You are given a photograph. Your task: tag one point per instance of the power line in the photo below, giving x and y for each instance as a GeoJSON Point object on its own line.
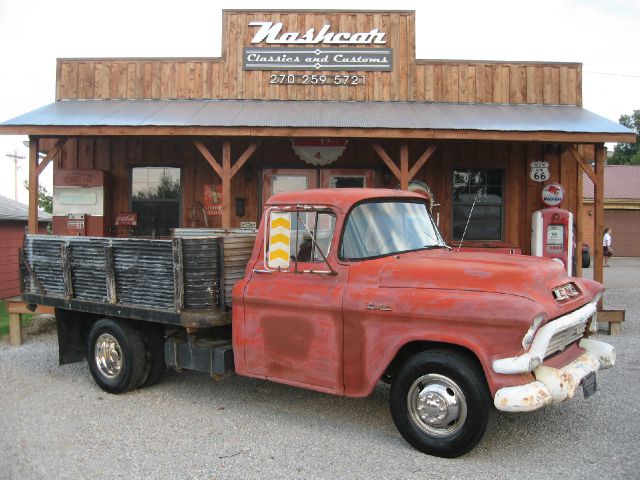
{"type": "Point", "coordinates": [16, 166]}
{"type": "Point", "coordinates": [612, 74]}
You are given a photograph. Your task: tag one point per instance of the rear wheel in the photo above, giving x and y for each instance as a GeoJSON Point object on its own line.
{"type": "Point", "coordinates": [440, 403]}
{"type": "Point", "coordinates": [116, 356]}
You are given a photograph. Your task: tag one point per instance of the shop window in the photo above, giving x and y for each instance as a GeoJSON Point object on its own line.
{"type": "Point", "coordinates": [155, 197]}
{"type": "Point", "coordinates": [479, 193]}
{"type": "Point", "coordinates": [347, 181]}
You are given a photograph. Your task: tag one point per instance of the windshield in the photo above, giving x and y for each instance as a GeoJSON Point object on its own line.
{"type": "Point", "coordinates": [382, 228]}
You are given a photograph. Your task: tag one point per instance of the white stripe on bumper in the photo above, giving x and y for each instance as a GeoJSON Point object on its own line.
{"type": "Point", "coordinates": [554, 385]}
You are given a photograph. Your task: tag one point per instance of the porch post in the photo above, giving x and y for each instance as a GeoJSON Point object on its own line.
{"type": "Point", "coordinates": [404, 166]}
{"type": "Point", "coordinates": [33, 185]}
{"type": "Point", "coordinates": [226, 172]}
{"type": "Point", "coordinates": [598, 213]}
{"type": "Point", "coordinates": [226, 185]}
{"type": "Point", "coordinates": [579, 221]}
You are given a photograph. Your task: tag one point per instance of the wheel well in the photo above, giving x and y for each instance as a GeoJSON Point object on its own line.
{"type": "Point", "coordinates": [73, 328]}
{"type": "Point", "coordinates": [413, 348]}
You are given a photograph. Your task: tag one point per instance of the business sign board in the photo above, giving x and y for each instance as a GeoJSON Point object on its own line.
{"type": "Point", "coordinates": [324, 56]}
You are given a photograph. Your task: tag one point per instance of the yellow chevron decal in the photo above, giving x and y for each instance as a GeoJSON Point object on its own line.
{"type": "Point", "coordinates": [279, 255]}
{"type": "Point", "coordinates": [279, 238]}
{"type": "Point", "coordinates": [280, 222]}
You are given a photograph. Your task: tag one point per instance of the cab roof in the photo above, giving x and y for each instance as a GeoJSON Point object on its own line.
{"type": "Point", "coordinates": [343, 198]}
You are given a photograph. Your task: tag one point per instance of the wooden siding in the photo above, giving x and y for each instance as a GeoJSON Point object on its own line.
{"type": "Point", "coordinates": [521, 196]}
{"type": "Point", "coordinates": [410, 79]}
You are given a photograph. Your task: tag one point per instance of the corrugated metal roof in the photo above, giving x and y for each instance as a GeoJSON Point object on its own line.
{"type": "Point", "coordinates": [12, 210]}
{"type": "Point", "coordinates": [621, 182]}
{"type": "Point", "coordinates": [318, 114]}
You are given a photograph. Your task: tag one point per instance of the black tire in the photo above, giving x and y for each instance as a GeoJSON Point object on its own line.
{"type": "Point", "coordinates": [586, 259]}
{"type": "Point", "coordinates": [456, 385]}
{"type": "Point", "coordinates": [154, 349]}
{"type": "Point", "coordinates": [116, 356]}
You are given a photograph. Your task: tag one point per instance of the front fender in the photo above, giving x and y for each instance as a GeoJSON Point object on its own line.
{"type": "Point", "coordinates": [489, 325]}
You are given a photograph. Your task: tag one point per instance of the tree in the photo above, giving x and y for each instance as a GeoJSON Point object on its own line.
{"type": "Point", "coordinates": [628, 153]}
{"type": "Point", "coordinates": [45, 201]}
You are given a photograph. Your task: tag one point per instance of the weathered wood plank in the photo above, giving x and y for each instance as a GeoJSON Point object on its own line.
{"type": "Point", "coordinates": [67, 280]}
{"type": "Point", "coordinates": [112, 293]}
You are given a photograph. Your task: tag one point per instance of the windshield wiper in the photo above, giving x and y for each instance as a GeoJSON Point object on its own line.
{"type": "Point", "coordinates": [435, 247]}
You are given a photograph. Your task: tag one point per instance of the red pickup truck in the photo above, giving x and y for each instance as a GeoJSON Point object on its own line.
{"type": "Point", "coordinates": [341, 290]}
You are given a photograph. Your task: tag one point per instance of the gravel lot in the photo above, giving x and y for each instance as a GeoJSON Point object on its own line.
{"type": "Point", "coordinates": [56, 423]}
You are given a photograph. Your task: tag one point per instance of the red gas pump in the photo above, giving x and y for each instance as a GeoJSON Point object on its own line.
{"type": "Point", "coordinates": [552, 229]}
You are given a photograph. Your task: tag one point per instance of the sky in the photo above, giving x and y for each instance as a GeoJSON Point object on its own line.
{"type": "Point", "coordinates": [600, 34]}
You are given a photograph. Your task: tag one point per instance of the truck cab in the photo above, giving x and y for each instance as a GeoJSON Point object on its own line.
{"type": "Point", "coordinates": [349, 287]}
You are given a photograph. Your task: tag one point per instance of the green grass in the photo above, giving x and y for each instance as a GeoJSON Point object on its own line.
{"type": "Point", "coordinates": [4, 319]}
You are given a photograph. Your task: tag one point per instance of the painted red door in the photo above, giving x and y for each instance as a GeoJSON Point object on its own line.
{"type": "Point", "coordinates": [294, 323]}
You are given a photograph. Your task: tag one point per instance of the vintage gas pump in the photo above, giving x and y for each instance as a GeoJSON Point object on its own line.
{"type": "Point", "coordinates": [552, 229]}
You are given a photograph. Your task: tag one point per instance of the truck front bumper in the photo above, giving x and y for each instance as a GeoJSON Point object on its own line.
{"type": "Point", "coordinates": [555, 385]}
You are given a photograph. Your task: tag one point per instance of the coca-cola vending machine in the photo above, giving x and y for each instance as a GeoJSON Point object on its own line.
{"type": "Point", "coordinates": [80, 203]}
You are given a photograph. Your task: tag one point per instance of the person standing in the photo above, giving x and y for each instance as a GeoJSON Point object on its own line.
{"type": "Point", "coordinates": [607, 251]}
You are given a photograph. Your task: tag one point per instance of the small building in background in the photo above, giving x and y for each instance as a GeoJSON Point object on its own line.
{"type": "Point", "coordinates": [621, 208]}
{"type": "Point", "coordinates": [13, 225]}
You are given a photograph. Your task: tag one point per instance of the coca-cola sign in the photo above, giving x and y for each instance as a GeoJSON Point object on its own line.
{"type": "Point", "coordinates": [126, 219]}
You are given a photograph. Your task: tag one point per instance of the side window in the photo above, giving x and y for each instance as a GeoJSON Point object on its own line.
{"type": "Point", "coordinates": [298, 237]}
{"type": "Point", "coordinates": [155, 197]}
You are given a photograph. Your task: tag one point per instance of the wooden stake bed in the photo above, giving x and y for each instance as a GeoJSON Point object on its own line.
{"type": "Point", "coordinates": [183, 281]}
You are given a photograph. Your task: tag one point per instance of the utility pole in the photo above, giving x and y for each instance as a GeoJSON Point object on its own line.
{"type": "Point", "coordinates": [15, 158]}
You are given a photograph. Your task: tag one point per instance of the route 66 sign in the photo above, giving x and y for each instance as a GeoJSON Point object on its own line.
{"type": "Point", "coordinates": [539, 171]}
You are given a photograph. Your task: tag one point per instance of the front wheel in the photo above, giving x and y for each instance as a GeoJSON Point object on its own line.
{"type": "Point", "coordinates": [440, 403]}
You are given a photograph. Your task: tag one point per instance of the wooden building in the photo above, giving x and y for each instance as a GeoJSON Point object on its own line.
{"type": "Point", "coordinates": [621, 209]}
{"type": "Point", "coordinates": [305, 99]}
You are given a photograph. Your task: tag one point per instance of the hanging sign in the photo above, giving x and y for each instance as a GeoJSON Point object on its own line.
{"type": "Point", "coordinates": [213, 199]}
{"type": "Point", "coordinates": [552, 194]}
{"type": "Point", "coordinates": [319, 151]}
{"type": "Point", "coordinates": [539, 171]}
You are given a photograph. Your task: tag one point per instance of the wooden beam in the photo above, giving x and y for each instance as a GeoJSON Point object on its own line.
{"type": "Point", "coordinates": [33, 185]}
{"type": "Point", "coordinates": [51, 155]}
{"type": "Point", "coordinates": [387, 160]}
{"type": "Point", "coordinates": [243, 158]}
{"type": "Point", "coordinates": [421, 161]}
{"type": "Point", "coordinates": [226, 185]}
{"type": "Point", "coordinates": [579, 222]}
{"type": "Point", "coordinates": [209, 157]}
{"type": "Point", "coordinates": [404, 166]}
{"type": "Point", "coordinates": [598, 214]}
{"type": "Point", "coordinates": [581, 161]}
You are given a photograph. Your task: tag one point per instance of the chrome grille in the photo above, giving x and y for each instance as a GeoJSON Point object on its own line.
{"type": "Point", "coordinates": [564, 338]}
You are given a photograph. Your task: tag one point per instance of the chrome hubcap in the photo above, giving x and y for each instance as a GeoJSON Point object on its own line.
{"type": "Point", "coordinates": [108, 355]}
{"type": "Point", "coordinates": [437, 405]}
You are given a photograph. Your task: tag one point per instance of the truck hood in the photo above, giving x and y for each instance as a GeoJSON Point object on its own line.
{"type": "Point", "coordinates": [525, 276]}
